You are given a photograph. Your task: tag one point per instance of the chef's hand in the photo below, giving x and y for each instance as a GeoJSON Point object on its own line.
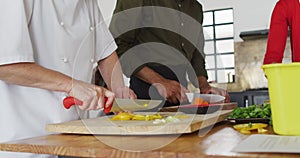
{"type": "Point", "coordinates": [205, 88]}
{"type": "Point", "coordinates": [172, 90]}
{"type": "Point", "coordinates": [214, 90]}
{"type": "Point", "coordinates": [91, 95]}
{"type": "Point", "coordinates": [125, 92]}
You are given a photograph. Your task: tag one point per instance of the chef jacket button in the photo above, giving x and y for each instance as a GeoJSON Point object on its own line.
{"type": "Point", "coordinates": [179, 5]}
{"type": "Point", "coordinates": [65, 60]}
{"type": "Point", "coordinates": [62, 24]}
{"type": "Point", "coordinates": [92, 60]}
{"type": "Point", "coordinates": [182, 44]}
{"type": "Point", "coordinates": [92, 28]}
{"type": "Point", "coordinates": [182, 24]}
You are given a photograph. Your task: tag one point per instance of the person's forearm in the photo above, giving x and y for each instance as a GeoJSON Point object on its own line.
{"type": "Point", "coordinates": [202, 81]}
{"type": "Point", "coordinates": [148, 75]}
{"type": "Point", "coordinates": [111, 72]}
{"type": "Point", "coordinates": [33, 75]}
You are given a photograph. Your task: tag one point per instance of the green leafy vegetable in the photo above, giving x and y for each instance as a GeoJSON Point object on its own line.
{"type": "Point", "coordinates": [253, 111]}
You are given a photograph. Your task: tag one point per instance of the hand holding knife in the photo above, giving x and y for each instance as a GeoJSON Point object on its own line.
{"type": "Point", "coordinates": [70, 101]}
{"type": "Point", "coordinates": [118, 105]}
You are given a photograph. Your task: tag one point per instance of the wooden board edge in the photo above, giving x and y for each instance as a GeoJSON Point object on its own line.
{"type": "Point", "coordinates": [175, 128]}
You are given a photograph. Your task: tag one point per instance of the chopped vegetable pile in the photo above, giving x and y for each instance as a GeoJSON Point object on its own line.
{"type": "Point", "coordinates": [168, 119]}
{"type": "Point", "coordinates": [157, 118]}
{"type": "Point", "coordinates": [253, 111]}
{"type": "Point", "coordinates": [199, 101]}
{"type": "Point", "coordinates": [125, 116]}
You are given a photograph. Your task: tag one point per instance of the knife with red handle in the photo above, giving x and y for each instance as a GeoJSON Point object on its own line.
{"type": "Point", "coordinates": [70, 101]}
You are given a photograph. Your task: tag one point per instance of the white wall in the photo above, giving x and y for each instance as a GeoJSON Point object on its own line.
{"type": "Point", "coordinates": [248, 14]}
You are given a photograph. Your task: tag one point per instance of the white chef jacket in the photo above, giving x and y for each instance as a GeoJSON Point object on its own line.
{"type": "Point", "coordinates": [68, 36]}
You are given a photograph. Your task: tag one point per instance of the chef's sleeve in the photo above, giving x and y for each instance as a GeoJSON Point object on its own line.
{"type": "Point", "coordinates": [15, 43]}
{"type": "Point", "coordinates": [277, 35]}
{"type": "Point", "coordinates": [105, 43]}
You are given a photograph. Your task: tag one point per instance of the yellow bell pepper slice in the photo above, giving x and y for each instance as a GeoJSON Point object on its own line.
{"type": "Point", "coordinates": [248, 127]}
{"type": "Point", "coordinates": [122, 116]}
{"type": "Point", "coordinates": [138, 117]}
{"type": "Point", "coordinates": [244, 131]}
{"type": "Point", "coordinates": [125, 116]}
{"type": "Point", "coordinates": [262, 130]}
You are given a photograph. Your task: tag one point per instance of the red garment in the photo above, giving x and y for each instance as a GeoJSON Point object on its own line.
{"type": "Point", "coordinates": [286, 14]}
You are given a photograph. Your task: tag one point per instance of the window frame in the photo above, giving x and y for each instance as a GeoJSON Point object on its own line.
{"type": "Point", "coordinates": [214, 39]}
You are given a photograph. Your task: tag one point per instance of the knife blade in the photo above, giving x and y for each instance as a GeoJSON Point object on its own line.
{"type": "Point", "coordinates": [118, 105]}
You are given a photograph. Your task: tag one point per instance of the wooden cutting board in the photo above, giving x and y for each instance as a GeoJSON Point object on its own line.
{"type": "Point", "coordinates": [104, 126]}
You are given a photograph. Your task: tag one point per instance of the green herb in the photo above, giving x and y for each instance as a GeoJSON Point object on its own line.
{"type": "Point", "coordinates": [252, 111]}
{"type": "Point", "coordinates": [250, 125]}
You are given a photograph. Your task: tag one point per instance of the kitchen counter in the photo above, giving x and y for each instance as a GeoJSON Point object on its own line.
{"type": "Point", "coordinates": [218, 142]}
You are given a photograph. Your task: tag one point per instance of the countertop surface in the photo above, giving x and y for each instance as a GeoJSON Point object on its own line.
{"type": "Point", "coordinates": [217, 141]}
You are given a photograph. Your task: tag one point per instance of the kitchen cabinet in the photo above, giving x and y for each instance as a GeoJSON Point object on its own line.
{"type": "Point", "coordinates": [250, 97]}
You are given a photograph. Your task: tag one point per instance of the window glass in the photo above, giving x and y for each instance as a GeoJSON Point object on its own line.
{"type": "Point", "coordinates": [209, 47]}
{"type": "Point", "coordinates": [208, 32]}
{"type": "Point", "coordinates": [210, 62]}
{"type": "Point", "coordinates": [223, 31]}
{"type": "Point", "coordinates": [207, 18]}
{"type": "Point", "coordinates": [226, 60]}
{"type": "Point", "coordinates": [223, 16]}
{"type": "Point", "coordinates": [219, 44]}
{"type": "Point", "coordinates": [211, 76]}
{"type": "Point", "coordinates": [224, 46]}
{"type": "Point", "coordinates": [225, 76]}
